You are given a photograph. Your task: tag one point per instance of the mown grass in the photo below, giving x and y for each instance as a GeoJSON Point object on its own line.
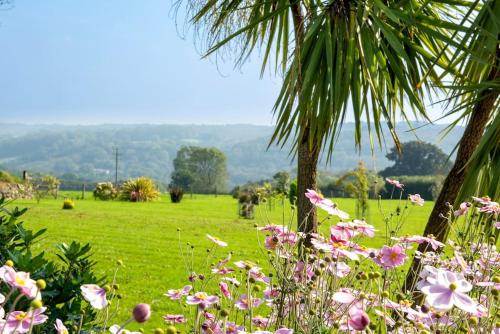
{"type": "Point", "coordinates": [144, 236]}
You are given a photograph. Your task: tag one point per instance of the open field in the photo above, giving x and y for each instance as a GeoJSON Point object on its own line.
{"type": "Point", "coordinates": [144, 236]}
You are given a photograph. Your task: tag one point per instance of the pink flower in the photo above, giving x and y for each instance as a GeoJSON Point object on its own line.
{"type": "Point", "coordinates": [95, 295]}
{"type": "Point", "coordinates": [175, 318]}
{"type": "Point", "coordinates": [463, 209]}
{"type": "Point", "coordinates": [284, 331]}
{"type": "Point", "coordinates": [20, 280]}
{"type": "Point", "coordinates": [342, 231]}
{"type": "Point", "coordinates": [493, 208]}
{"type": "Point", "coordinates": [485, 200]}
{"type": "Point", "coordinates": [325, 204]}
{"type": "Point", "coordinates": [448, 290]}
{"type": "Point", "coordinates": [20, 322]}
{"type": "Point", "coordinates": [332, 210]}
{"type": "Point", "coordinates": [244, 302]}
{"type": "Point", "coordinates": [416, 199]}
{"type": "Point", "coordinates": [232, 328]}
{"type": "Point", "coordinates": [232, 280]}
{"type": "Point", "coordinates": [276, 229]}
{"type": "Point", "coordinates": [391, 257]}
{"type": "Point", "coordinates": [419, 240]}
{"type": "Point", "coordinates": [141, 313]}
{"type": "Point", "coordinates": [338, 268]}
{"type": "Point", "coordinates": [395, 183]}
{"type": "Point", "coordinates": [202, 298]}
{"type": "Point", "coordinates": [60, 328]}
{"type": "Point", "coordinates": [115, 329]}
{"type": "Point", "coordinates": [256, 274]}
{"type": "Point", "coordinates": [260, 321]}
{"type": "Point", "coordinates": [314, 197]}
{"type": "Point", "coordinates": [177, 294]}
{"type": "Point", "coordinates": [497, 225]}
{"type": "Point", "coordinates": [362, 227]}
{"type": "Point", "coordinates": [224, 289]}
{"type": "Point", "coordinates": [222, 271]}
{"type": "Point", "coordinates": [217, 241]}
{"type": "Point", "coordinates": [358, 319]}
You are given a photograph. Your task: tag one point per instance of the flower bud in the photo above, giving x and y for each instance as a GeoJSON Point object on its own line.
{"type": "Point", "coordinates": [37, 303]}
{"type": "Point", "coordinates": [9, 263]}
{"type": "Point", "coordinates": [160, 331]}
{"type": "Point", "coordinates": [119, 263]}
{"type": "Point", "coordinates": [473, 320]}
{"type": "Point", "coordinates": [141, 312]}
{"type": "Point", "coordinates": [170, 330]}
{"type": "Point", "coordinates": [40, 284]}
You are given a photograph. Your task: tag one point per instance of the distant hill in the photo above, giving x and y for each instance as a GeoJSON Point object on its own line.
{"type": "Point", "coordinates": [87, 151]}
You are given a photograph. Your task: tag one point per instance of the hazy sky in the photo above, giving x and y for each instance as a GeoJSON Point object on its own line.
{"type": "Point", "coordinates": [118, 61]}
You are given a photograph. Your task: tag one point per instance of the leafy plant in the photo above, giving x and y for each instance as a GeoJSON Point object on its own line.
{"type": "Point", "coordinates": [63, 277]}
{"type": "Point", "coordinates": [68, 204]}
{"type": "Point", "coordinates": [176, 194]}
{"type": "Point", "coordinates": [141, 189]}
{"type": "Point", "coordinates": [105, 191]}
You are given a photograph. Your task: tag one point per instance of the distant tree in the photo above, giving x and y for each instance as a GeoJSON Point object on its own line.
{"type": "Point", "coordinates": [202, 169]}
{"type": "Point", "coordinates": [281, 182]}
{"type": "Point", "coordinates": [356, 183]}
{"type": "Point", "coordinates": [417, 158]}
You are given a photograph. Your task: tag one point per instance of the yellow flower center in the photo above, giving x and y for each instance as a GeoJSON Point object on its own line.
{"type": "Point", "coordinates": [21, 316]}
{"type": "Point", "coordinates": [453, 286]}
{"type": "Point", "coordinates": [201, 295]}
{"type": "Point", "coordinates": [394, 256]}
{"type": "Point", "coordinates": [20, 281]}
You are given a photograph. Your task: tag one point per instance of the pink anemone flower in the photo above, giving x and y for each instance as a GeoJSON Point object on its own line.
{"type": "Point", "coordinates": [20, 322]}
{"type": "Point", "coordinates": [390, 257]}
{"type": "Point", "coordinates": [95, 295]}
{"type": "Point", "coordinates": [395, 183]}
{"type": "Point", "coordinates": [175, 294]}
{"type": "Point", "coordinates": [217, 241]}
{"type": "Point", "coordinates": [174, 318]}
{"type": "Point", "coordinates": [60, 328]}
{"type": "Point", "coordinates": [202, 298]}
{"type": "Point", "coordinates": [21, 281]}
{"type": "Point", "coordinates": [448, 290]}
{"type": "Point", "coordinates": [416, 199]}
{"type": "Point", "coordinates": [244, 302]}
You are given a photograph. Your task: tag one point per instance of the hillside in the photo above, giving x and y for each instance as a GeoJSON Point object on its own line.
{"type": "Point", "coordinates": [87, 151]}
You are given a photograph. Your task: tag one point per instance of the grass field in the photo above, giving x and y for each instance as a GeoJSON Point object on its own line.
{"type": "Point", "coordinates": [144, 236]}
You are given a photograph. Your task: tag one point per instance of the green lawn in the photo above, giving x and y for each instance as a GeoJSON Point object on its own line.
{"type": "Point", "coordinates": [144, 236]}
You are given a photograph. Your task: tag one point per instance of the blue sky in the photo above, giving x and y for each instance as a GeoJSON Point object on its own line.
{"type": "Point", "coordinates": [111, 61]}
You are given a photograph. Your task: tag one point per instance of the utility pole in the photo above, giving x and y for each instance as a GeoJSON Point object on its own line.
{"type": "Point", "coordinates": [115, 149]}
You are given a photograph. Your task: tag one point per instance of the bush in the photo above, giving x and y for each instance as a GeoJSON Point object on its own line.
{"type": "Point", "coordinates": [68, 204]}
{"type": "Point", "coordinates": [141, 189]}
{"type": "Point", "coordinates": [292, 193]}
{"type": "Point", "coordinates": [63, 276]}
{"type": "Point", "coordinates": [8, 178]}
{"type": "Point", "coordinates": [105, 191]}
{"type": "Point", "coordinates": [176, 194]}
{"type": "Point", "coordinates": [427, 186]}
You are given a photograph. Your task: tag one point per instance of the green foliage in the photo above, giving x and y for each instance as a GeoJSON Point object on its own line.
{"type": "Point", "coordinates": [176, 194]}
{"type": "Point", "coordinates": [427, 186]}
{"type": "Point", "coordinates": [292, 192]}
{"type": "Point", "coordinates": [105, 191]}
{"type": "Point", "coordinates": [281, 182]}
{"type": "Point", "coordinates": [8, 178]}
{"type": "Point", "coordinates": [141, 189]}
{"type": "Point", "coordinates": [417, 158]}
{"type": "Point", "coordinates": [63, 277]}
{"type": "Point", "coordinates": [68, 204]}
{"type": "Point", "coordinates": [245, 146]}
{"type": "Point", "coordinates": [200, 169]}
{"type": "Point", "coordinates": [357, 185]}
{"type": "Point", "coordinates": [45, 185]}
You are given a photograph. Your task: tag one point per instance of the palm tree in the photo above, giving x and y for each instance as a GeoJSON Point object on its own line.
{"type": "Point", "coordinates": [368, 60]}
{"type": "Point", "coordinates": [475, 97]}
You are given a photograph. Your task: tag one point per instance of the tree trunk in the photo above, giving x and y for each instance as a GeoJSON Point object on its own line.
{"type": "Point", "coordinates": [307, 161]}
{"type": "Point", "coordinates": [437, 225]}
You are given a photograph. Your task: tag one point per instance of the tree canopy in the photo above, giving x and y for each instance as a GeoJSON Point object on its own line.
{"type": "Point", "coordinates": [417, 158]}
{"type": "Point", "coordinates": [200, 169]}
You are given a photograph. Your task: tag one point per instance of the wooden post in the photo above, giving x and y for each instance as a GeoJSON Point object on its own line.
{"type": "Point", "coordinates": [83, 191]}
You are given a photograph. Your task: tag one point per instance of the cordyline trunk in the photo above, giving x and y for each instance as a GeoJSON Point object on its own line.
{"type": "Point", "coordinates": [437, 224]}
{"type": "Point", "coordinates": [307, 161]}
{"type": "Point", "coordinates": [307, 155]}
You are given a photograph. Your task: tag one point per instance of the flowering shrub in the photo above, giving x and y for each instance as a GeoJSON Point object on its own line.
{"type": "Point", "coordinates": [315, 283]}
{"type": "Point", "coordinates": [141, 189]}
{"type": "Point", "coordinates": [68, 204]}
{"type": "Point", "coordinates": [105, 191]}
